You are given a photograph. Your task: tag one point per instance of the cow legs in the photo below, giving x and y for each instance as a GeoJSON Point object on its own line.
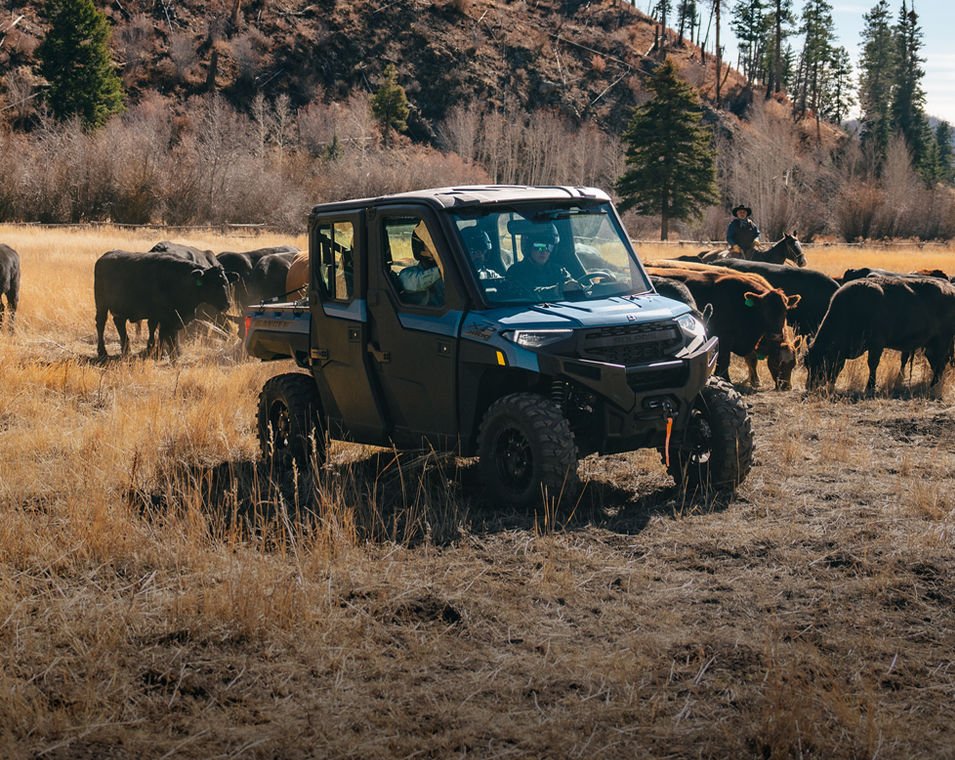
{"type": "Point", "coordinates": [151, 324]}
{"type": "Point", "coordinates": [169, 339]}
{"type": "Point", "coordinates": [723, 363]}
{"type": "Point", "coordinates": [120, 323]}
{"type": "Point", "coordinates": [100, 328]}
{"type": "Point", "coordinates": [751, 364]}
{"type": "Point", "coordinates": [2, 309]}
{"type": "Point", "coordinates": [875, 356]}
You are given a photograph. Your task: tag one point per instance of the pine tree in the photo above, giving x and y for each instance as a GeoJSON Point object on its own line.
{"type": "Point", "coordinates": [838, 96]}
{"type": "Point", "coordinates": [908, 101]}
{"type": "Point", "coordinates": [780, 21]}
{"type": "Point", "coordinates": [390, 104]}
{"type": "Point", "coordinates": [75, 60]}
{"type": "Point", "coordinates": [749, 24]}
{"type": "Point", "coordinates": [669, 153]}
{"type": "Point", "coordinates": [876, 71]}
{"type": "Point", "coordinates": [816, 55]}
{"type": "Point", "coordinates": [943, 139]}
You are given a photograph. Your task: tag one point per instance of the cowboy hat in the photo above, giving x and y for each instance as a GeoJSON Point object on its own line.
{"type": "Point", "coordinates": [741, 207]}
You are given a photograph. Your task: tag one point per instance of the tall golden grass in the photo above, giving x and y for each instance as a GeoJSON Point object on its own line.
{"type": "Point", "coordinates": [162, 594]}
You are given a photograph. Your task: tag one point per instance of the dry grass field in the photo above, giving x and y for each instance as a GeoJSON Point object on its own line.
{"type": "Point", "coordinates": [161, 596]}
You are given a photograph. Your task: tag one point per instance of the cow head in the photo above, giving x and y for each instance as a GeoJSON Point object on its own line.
{"type": "Point", "coordinates": [213, 285]}
{"type": "Point", "coordinates": [823, 366]}
{"type": "Point", "coordinates": [781, 354]}
{"type": "Point", "coordinates": [771, 306]}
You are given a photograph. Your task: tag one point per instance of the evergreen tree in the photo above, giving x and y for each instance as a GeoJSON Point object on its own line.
{"type": "Point", "coordinates": [908, 101]}
{"type": "Point", "coordinates": [390, 104]}
{"type": "Point", "coordinates": [670, 156]}
{"type": "Point", "coordinates": [816, 56]}
{"type": "Point", "coordinates": [75, 59]}
{"type": "Point", "coordinates": [943, 139]}
{"type": "Point", "coordinates": [779, 21]}
{"type": "Point", "coordinates": [839, 96]}
{"type": "Point", "coordinates": [749, 23]}
{"type": "Point", "coordinates": [876, 72]}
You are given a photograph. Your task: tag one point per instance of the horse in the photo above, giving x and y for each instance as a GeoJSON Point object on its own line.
{"type": "Point", "coordinates": [787, 248]}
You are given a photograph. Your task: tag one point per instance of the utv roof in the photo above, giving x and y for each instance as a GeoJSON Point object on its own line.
{"type": "Point", "coordinates": [471, 195]}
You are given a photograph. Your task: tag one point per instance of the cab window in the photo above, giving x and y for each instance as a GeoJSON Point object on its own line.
{"type": "Point", "coordinates": [412, 263]}
{"type": "Point", "coordinates": [335, 246]}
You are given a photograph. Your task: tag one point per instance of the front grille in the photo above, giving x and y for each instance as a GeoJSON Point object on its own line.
{"type": "Point", "coordinates": [631, 344]}
{"type": "Point", "coordinates": [664, 377]}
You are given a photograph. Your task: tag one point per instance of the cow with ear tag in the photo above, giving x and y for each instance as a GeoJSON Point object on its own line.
{"type": "Point", "coordinates": [747, 310]}
{"type": "Point", "coordinates": [162, 288]}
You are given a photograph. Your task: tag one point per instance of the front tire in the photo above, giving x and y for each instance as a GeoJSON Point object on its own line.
{"type": "Point", "coordinates": [715, 451]}
{"type": "Point", "coordinates": [289, 422]}
{"type": "Point", "coordinates": [527, 451]}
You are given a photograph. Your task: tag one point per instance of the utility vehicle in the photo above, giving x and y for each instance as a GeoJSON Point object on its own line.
{"type": "Point", "coordinates": [528, 376]}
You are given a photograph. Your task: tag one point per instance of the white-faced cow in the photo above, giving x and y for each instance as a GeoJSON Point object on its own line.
{"type": "Point", "coordinates": [879, 312]}
{"type": "Point", "coordinates": [9, 283]}
{"type": "Point", "coordinates": [162, 288]}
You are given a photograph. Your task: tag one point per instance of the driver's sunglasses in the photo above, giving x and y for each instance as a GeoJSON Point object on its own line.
{"type": "Point", "coordinates": [543, 247]}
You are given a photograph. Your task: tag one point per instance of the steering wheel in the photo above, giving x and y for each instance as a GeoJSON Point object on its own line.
{"type": "Point", "coordinates": [597, 276]}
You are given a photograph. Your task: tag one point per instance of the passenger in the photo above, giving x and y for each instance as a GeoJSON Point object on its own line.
{"type": "Point", "coordinates": [422, 283]}
{"type": "Point", "coordinates": [537, 272]}
{"type": "Point", "coordinates": [742, 235]}
{"type": "Point", "coordinates": [478, 245]}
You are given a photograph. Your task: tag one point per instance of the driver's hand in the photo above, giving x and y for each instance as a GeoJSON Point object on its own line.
{"type": "Point", "coordinates": [572, 284]}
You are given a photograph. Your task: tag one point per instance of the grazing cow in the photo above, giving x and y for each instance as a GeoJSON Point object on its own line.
{"type": "Point", "coordinates": [878, 312]}
{"type": "Point", "coordinates": [162, 288]}
{"type": "Point", "coordinates": [9, 282]}
{"type": "Point", "coordinates": [814, 288]}
{"type": "Point", "coordinates": [747, 312]}
{"type": "Point", "coordinates": [242, 263]}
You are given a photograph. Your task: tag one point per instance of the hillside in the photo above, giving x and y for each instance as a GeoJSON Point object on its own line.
{"type": "Point", "coordinates": [584, 60]}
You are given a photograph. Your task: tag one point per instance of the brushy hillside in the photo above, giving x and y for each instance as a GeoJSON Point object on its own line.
{"type": "Point", "coordinates": [162, 596]}
{"type": "Point", "coordinates": [583, 60]}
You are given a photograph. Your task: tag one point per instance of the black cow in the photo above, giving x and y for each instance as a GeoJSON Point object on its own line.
{"type": "Point", "coordinates": [879, 312]}
{"type": "Point", "coordinates": [815, 289]}
{"type": "Point", "coordinates": [242, 263]}
{"type": "Point", "coordinates": [9, 282]}
{"type": "Point", "coordinates": [857, 274]}
{"type": "Point", "coordinates": [162, 288]}
{"type": "Point", "coordinates": [674, 289]}
{"type": "Point", "coordinates": [203, 258]}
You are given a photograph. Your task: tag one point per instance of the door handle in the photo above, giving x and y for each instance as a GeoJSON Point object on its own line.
{"type": "Point", "coordinates": [382, 357]}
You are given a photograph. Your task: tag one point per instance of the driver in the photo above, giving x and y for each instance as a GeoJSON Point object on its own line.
{"type": "Point", "coordinates": [537, 272]}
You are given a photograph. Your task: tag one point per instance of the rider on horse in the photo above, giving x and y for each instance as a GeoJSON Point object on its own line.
{"type": "Point", "coordinates": [742, 233]}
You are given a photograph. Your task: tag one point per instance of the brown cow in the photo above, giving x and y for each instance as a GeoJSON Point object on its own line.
{"type": "Point", "coordinates": [747, 312]}
{"type": "Point", "coordinates": [296, 281]}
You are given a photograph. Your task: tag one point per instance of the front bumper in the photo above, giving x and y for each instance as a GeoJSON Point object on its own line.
{"type": "Point", "coordinates": [637, 400]}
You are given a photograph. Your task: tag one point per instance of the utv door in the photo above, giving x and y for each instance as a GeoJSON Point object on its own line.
{"type": "Point", "coordinates": [414, 336]}
{"type": "Point", "coordinates": [340, 330]}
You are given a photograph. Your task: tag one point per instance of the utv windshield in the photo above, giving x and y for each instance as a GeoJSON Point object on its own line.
{"type": "Point", "coordinates": [536, 253]}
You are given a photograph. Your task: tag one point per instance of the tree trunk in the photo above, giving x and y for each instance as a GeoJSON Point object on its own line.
{"type": "Point", "coordinates": [719, 54]}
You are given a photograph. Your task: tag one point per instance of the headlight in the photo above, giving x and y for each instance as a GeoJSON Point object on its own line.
{"type": "Point", "coordinates": [691, 326]}
{"type": "Point", "coordinates": [536, 338]}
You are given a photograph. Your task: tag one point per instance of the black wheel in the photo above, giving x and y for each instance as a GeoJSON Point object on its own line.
{"type": "Point", "coordinates": [289, 422]}
{"type": "Point", "coordinates": [527, 449]}
{"type": "Point", "coordinates": [716, 448]}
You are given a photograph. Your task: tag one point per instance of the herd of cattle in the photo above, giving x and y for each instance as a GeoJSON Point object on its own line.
{"type": "Point", "coordinates": [758, 310]}
{"type": "Point", "coordinates": [761, 310]}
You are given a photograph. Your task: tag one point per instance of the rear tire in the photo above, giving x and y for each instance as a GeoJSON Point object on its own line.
{"type": "Point", "coordinates": [289, 422]}
{"type": "Point", "coordinates": [715, 451]}
{"type": "Point", "coordinates": [527, 450]}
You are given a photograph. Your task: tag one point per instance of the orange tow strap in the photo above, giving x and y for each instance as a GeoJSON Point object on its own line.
{"type": "Point", "coordinates": [666, 446]}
